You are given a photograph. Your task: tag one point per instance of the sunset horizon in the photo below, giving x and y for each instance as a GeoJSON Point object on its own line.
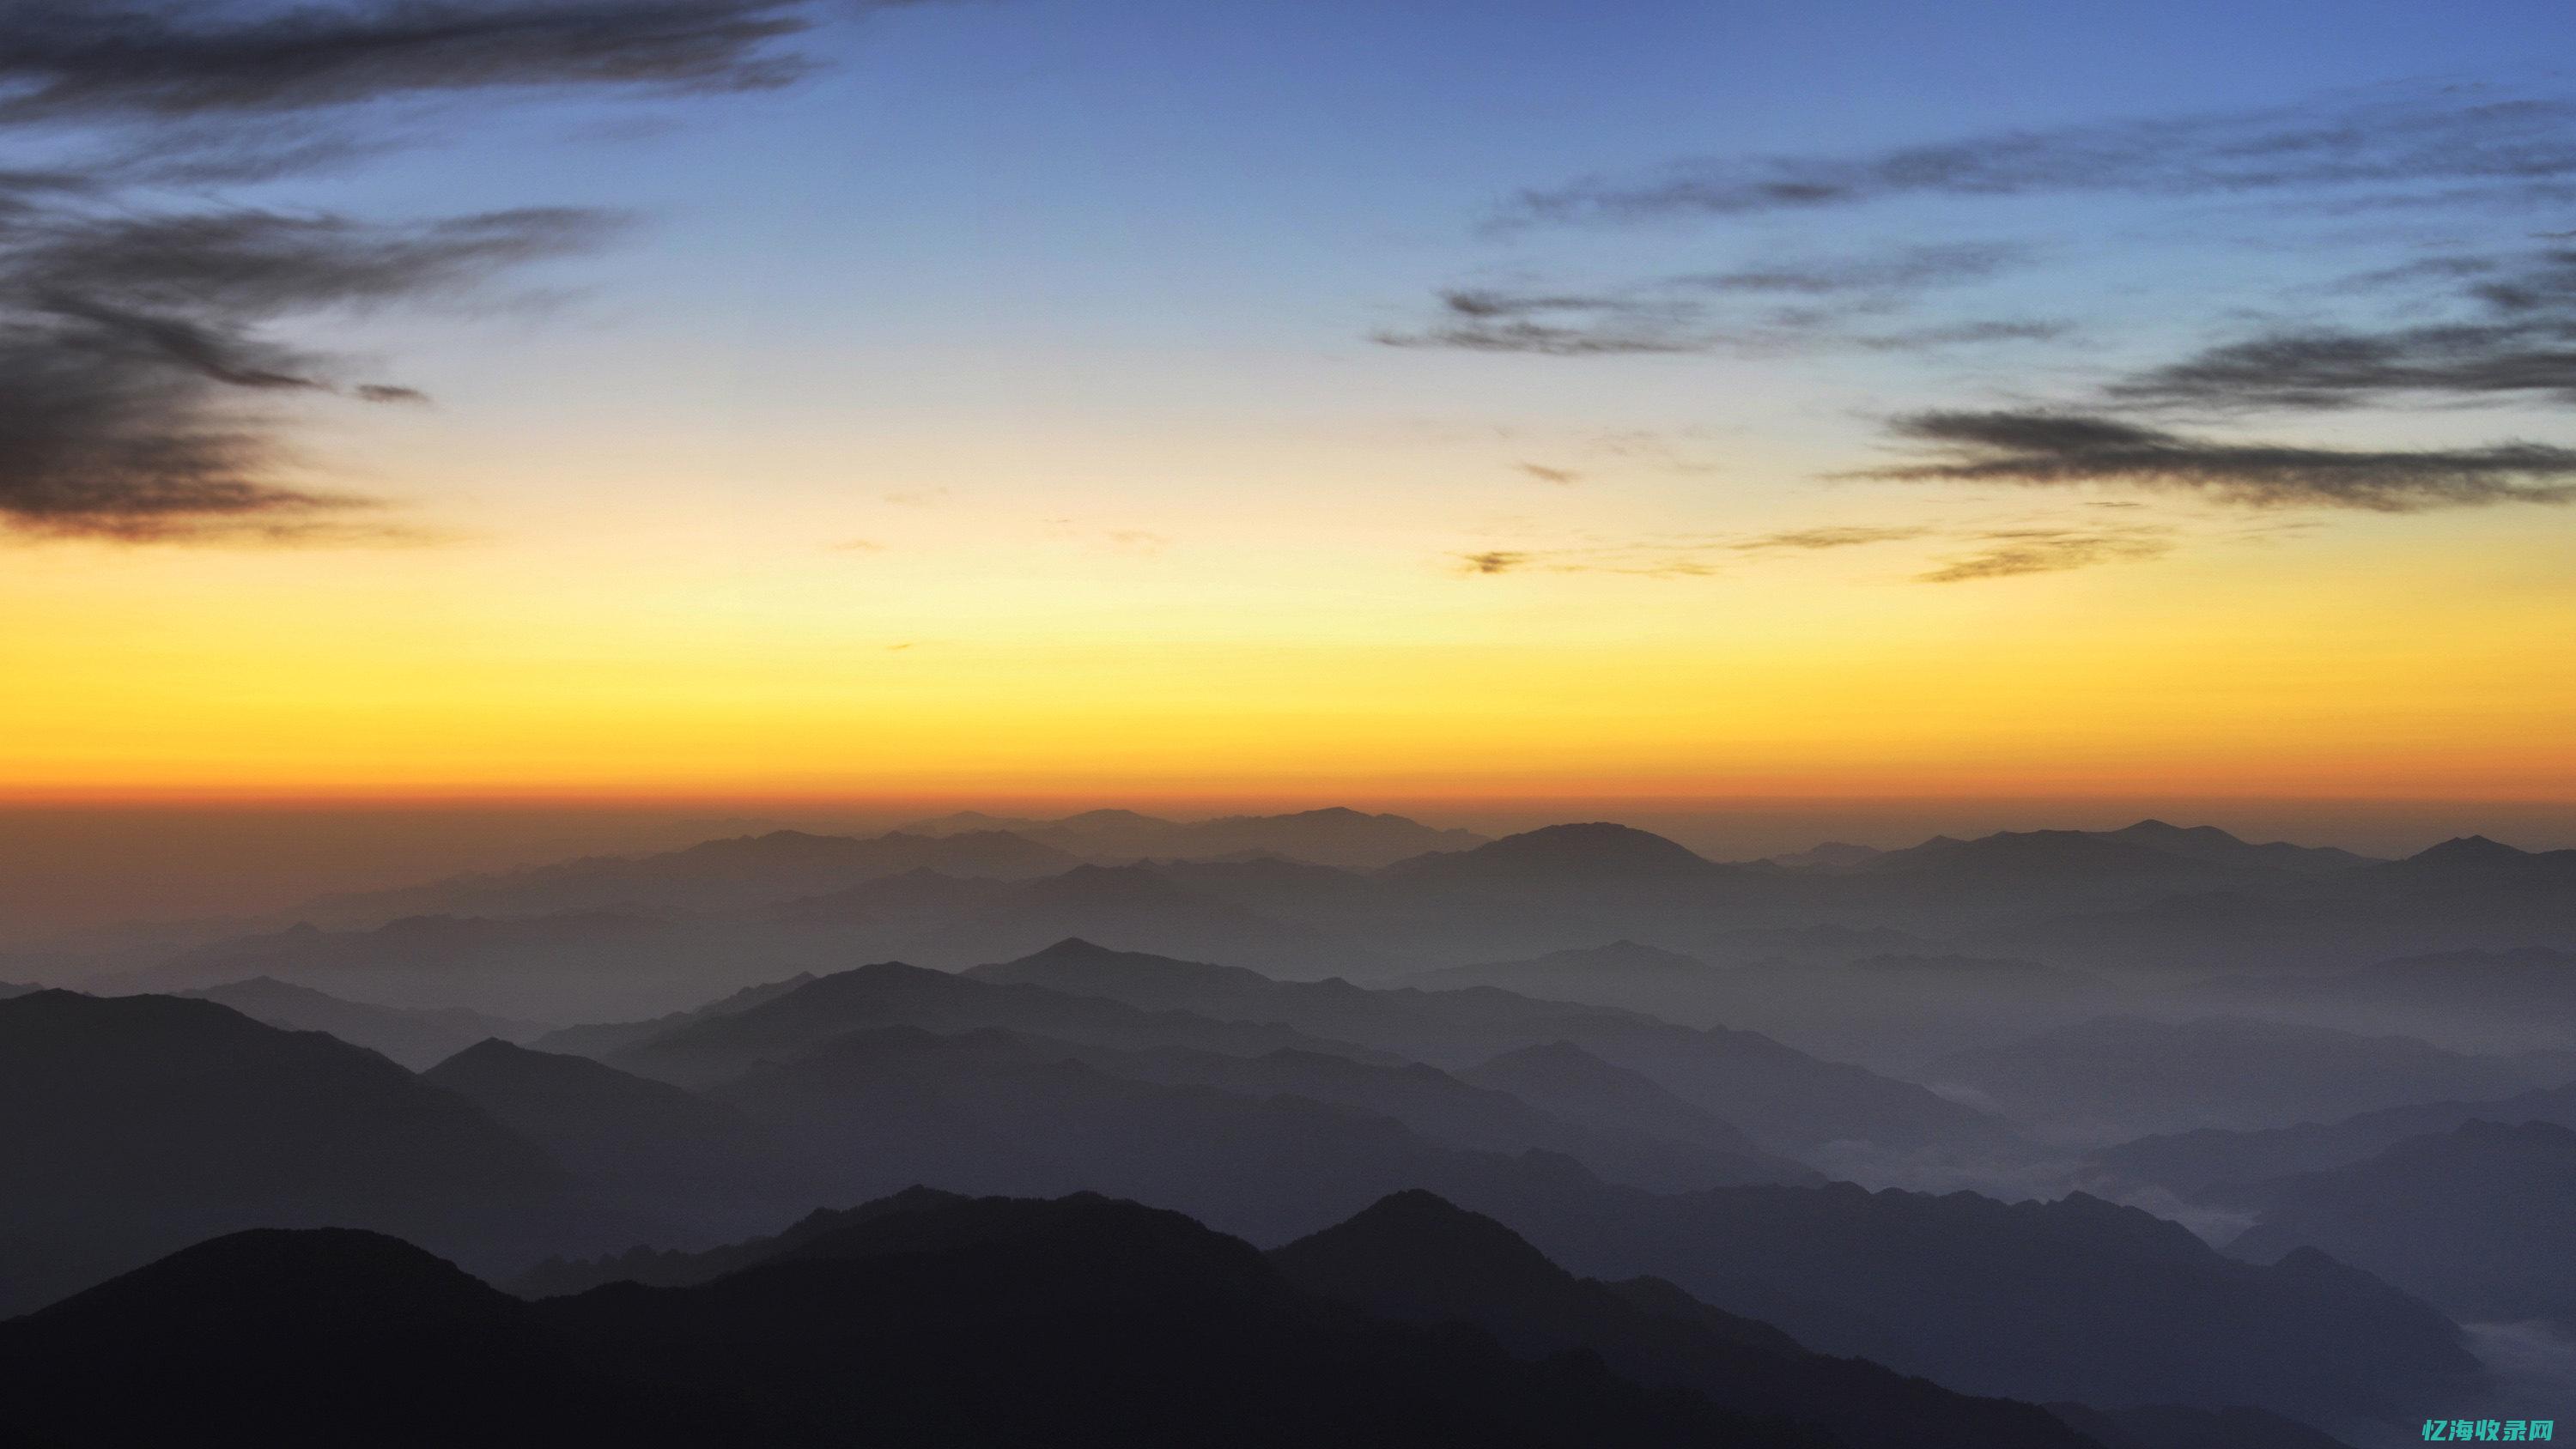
{"type": "Point", "coordinates": [1466, 724]}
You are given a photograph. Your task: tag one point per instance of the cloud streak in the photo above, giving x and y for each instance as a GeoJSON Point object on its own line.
{"type": "Point", "coordinates": [171, 60]}
{"type": "Point", "coordinates": [2394, 142]}
{"type": "Point", "coordinates": [1814, 540]}
{"type": "Point", "coordinates": [2010, 553]}
{"type": "Point", "coordinates": [133, 355]}
{"type": "Point", "coordinates": [1765, 309]}
{"type": "Point", "coordinates": [2057, 449]}
{"type": "Point", "coordinates": [143, 389]}
{"type": "Point", "coordinates": [2519, 339]}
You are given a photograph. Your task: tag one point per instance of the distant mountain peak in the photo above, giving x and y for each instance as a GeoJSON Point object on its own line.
{"type": "Point", "coordinates": [1596, 850]}
{"type": "Point", "coordinates": [2158, 828]}
{"type": "Point", "coordinates": [1415, 1235]}
{"type": "Point", "coordinates": [2469, 849]}
{"type": "Point", "coordinates": [1074, 948]}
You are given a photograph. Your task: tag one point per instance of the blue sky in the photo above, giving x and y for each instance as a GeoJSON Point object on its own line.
{"type": "Point", "coordinates": [1620, 396]}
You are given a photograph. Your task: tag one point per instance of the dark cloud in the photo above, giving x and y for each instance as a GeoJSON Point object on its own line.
{"type": "Point", "coordinates": [2394, 142]}
{"type": "Point", "coordinates": [2014, 551]}
{"type": "Point", "coordinates": [144, 385]}
{"type": "Point", "coordinates": [132, 353]}
{"type": "Point", "coordinates": [1724, 311]}
{"type": "Point", "coordinates": [1660, 558]}
{"type": "Point", "coordinates": [1556, 324]}
{"type": "Point", "coordinates": [2515, 336]}
{"type": "Point", "coordinates": [165, 59]}
{"type": "Point", "coordinates": [1911, 270]}
{"type": "Point", "coordinates": [2046, 449]}
{"type": "Point", "coordinates": [1810, 540]}
{"type": "Point", "coordinates": [1562, 477]}
{"type": "Point", "coordinates": [1963, 334]}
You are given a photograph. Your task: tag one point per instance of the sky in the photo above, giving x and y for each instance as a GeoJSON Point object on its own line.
{"type": "Point", "coordinates": [1085, 400]}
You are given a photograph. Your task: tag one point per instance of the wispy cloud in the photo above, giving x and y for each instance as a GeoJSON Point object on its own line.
{"type": "Point", "coordinates": [1780, 307]}
{"type": "Point", "coordinates": [2516, 337]}
{"type": "Point", "coordinates": [132, 350]}
{"type": "Point", "coordinates": [1812, 540]}
{"type": "Point", "coordinates": [1651, 560]}
{"type": "Point", "coordinates": [2056, 449]}
{"type": "Point", "coordinates": [142, 384]}
{"type": "Point", "coordinates": [1562, 477]}
{"type": "Point", "coordinates": [2381, 142]}
{"type": "Point", "coordinates": [2008, 553]}
{"type": "Point", "coordinates": [186, 59]}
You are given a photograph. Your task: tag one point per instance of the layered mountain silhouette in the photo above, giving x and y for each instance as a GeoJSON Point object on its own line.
{"type": "Point", "coordinates": [991, 1112]}
{"type": "Point", "coordinates": [719, 875]}
{"type": "Point", "coordinates": [2179, 1426]}
{"type": "Point", "coordinates": [2465, 894]}
{"type": "Point", "coordinates": [1142, 905]}
{"type": "Point", "coordinates": [1450, 1110]}
{"type": "Point", "coordinates": [2123, 1076]}
{"type": "Point", "coordinates": [2236, 1169]}
{"type": "Point", "coordinates": [598, 1039]}
{"type": "Point", "coordinates": [1334, 836]}
{"type": "Point", "coordinates": [1107, 1322]}
{"type": "Point", "coordinates": [724, 1044]}
{"type": "Point", "coordinates": [1622, 973]}
{"type": "Point", "coordinates": [2477, 1219]}
{"type": "Point", "coordinates": [1563, 1078]}
{"type": "Point", "coordinates": [331, 1336]}
{"type": "Point", "coordinates": [1600, 855]}
{"type": "Point", "coordinates": [647, 1145]}
{"type": "Point", "coordinates": [2519, 995]}
{"type": "Point", "coordinates": [563, 967]}
{"type": "Point", "coordinates": [1416, 1258]}
{"type": "Point", "coordinates": [415, 1037]}
{"type": "Point", "coordinates": [2076, 1299]}
{"type": "Point", "coordinates": [1488, 1178]}
{"type": "Point", "coordinates": [133, 1126]}
{"type": "Point", "coordinates": [1782, 1098]}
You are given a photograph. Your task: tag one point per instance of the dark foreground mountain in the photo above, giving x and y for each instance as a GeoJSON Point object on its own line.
{"type": "Point", "coordinates": [1082, 1322]}
{"type": "Point", "coordinates": [331, 1336]}
{"type": "Point", "coordinates": [2175, 1426]}
{"type": "Point", "coordinates": [2075, 1299]}
{"type": "Point", "coordinates": [2125, 1076]}
{"type": "Point", "coordinates": [1418, 1259]}
{"type": "Point", "coordinates": [2478, 1220]}
{"type": "Point", "coordinates": [415, 1037]}
{"type": "Point", "coordinates": [132, 1126]}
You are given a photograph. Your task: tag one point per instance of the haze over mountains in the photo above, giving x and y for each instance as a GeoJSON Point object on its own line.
{"type": "Point", "coordinates": [1700, 1124]}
